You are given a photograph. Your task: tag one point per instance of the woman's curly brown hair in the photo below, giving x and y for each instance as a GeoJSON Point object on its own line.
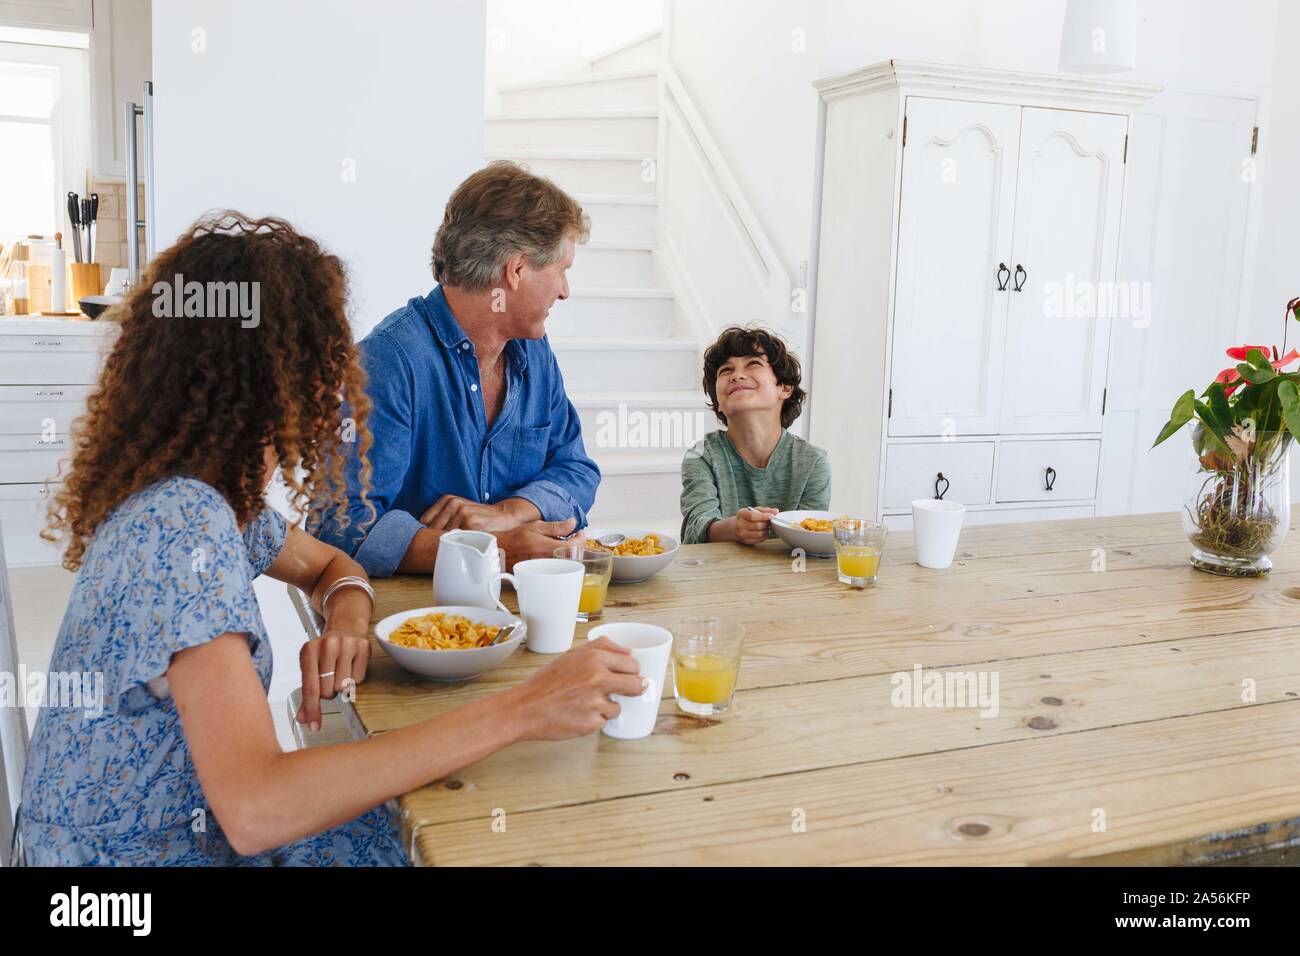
{"type": "Point", "coordinates": [208, 396]}
{"type": "Point", "coordinates": [737, 342]}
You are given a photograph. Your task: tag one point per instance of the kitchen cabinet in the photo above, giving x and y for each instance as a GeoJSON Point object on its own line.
{"type": "Point", "coordinates": [48, 367]}
{"type": "Point", "coordinates": [969, 235]}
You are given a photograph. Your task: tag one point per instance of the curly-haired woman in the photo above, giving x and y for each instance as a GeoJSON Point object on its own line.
{"type": "Point", "coordinates": [166, 526]}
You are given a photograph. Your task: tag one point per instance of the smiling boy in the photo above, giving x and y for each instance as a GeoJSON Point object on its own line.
{"type": "Point", "coordinates": [737, 478]}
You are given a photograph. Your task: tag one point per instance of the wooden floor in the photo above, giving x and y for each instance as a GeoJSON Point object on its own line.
{"type": "Point", "coordinates": [1147, 713]}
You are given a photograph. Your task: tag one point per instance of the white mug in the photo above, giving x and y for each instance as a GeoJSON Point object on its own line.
{"type": "Point", "coordinates": [548, 591]}
{"type": "Point", "coordinates": [936, 526]}
{"type": "Point", "coordinates": [651, 646]}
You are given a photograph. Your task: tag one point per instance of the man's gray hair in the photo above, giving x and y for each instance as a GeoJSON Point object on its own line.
{"type": "Point", "coordinates": [498, 212]}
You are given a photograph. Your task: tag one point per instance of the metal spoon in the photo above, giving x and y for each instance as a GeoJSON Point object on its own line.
{"type": "Point", "coordinates": [611, 540]}
{"type": "Point", "coordinates": [505, 633]}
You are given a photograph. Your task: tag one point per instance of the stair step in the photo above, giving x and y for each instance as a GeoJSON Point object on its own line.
{"type": "Point", "coordinates": [616, 217]}
{"type": "Point", "coordinates": [643, 364]}
{"type": "Point", "coordinates": [665, 523]}
{"type": "Point", "coordinates": [639, 52]}
{"type": "Point", "coordinates": [613, 89]}
{"type": "Point", "coordinates": [605, 264]}
{"type": "Point", "coordinates": [632, 312]}
{"type": "Point", "coordinates": [624, 495]}
{"type": "Point", "coordinates": [620, 425]}
{"type": "Point", "coordinates": [614, 171]}
{"type": "Point", "coordinates": [573, 129]}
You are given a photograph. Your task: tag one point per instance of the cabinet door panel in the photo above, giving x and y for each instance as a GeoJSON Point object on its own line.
{"type": "Point", "coordinates": [1071, 179]}
{"type": "Point", "coordinates": [958, 194]}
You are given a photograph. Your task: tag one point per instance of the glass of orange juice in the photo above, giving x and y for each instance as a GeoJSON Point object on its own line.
{"type": "Point", "coordinates": [859, 542]}
{"type": "Point", "coordinates": [706, 661]}
{"type": "Point", "coordinates": [598, 566]}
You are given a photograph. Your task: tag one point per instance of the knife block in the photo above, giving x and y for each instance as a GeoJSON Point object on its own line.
{"type": "Point", "coordinates": [85, 281]}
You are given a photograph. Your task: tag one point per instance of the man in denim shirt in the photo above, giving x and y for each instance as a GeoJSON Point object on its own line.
{"type": "Point", "coordinates": [472, 427]}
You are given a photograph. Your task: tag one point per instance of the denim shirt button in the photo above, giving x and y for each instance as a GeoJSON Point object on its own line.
{"type": "Point", "coordinates": [464, 345]}
{"type": "Point", "coordinates": [473, 388]}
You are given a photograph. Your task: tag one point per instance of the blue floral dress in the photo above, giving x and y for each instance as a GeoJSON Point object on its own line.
{"type": "Point", "coordinates": [110, 779]}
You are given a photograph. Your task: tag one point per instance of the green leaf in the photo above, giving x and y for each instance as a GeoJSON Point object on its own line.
{"type": "Point", "coordinates": [1182, 413]}
{"type": "Point", "coordinates": [1253, 373]}
{"type": "Point", "coordinates": [1289, 396]}
{"type": "Point", "coordinates": [1220, 408]}
{"type": "Point", "coordinates": [1215, 436]}
{"type": "Point", "coordinates": [1259, 358]}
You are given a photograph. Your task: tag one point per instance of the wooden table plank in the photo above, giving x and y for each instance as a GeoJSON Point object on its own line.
{"type": "Point", "coordinates": [1162, 787]}
{"type": "Point", "coordinates": [1143, 642]}
{"type": "Point", "coordinates": [800, 727]}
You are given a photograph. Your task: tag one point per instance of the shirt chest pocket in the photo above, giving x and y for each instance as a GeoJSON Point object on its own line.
{"type": "Point", "coordinates": [528, 455]}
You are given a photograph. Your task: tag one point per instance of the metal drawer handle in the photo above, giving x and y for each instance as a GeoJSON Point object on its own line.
{"type": "Point", "coordinates": [938, 494]}
{"type": "Point", "coordinates": [41, 394]}
{"type": "Point", "coordinates": [1021, 276]}
{"type": "Point", "coordinates": [1051, 477]}
{"type": "Point", "coordinates": [55, 343]}
{"type": "Point", "coordinates": [1002, 281]}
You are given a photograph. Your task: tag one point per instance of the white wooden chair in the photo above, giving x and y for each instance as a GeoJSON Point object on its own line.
{"type": "Point", "coordinates": [338, 722]}
{"type": "Point", "coordinates": [13, 720]}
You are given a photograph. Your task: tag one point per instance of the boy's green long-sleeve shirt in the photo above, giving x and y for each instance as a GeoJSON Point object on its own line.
{"type": "Point", "coordinates": [717, 482]}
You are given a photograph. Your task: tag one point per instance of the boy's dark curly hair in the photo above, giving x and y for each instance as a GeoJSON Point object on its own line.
{"type": "Point", "coordinates": [738, 342]}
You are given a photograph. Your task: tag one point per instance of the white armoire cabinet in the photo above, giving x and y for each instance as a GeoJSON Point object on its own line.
{"type": "Point", "coordinates": [966, 280]}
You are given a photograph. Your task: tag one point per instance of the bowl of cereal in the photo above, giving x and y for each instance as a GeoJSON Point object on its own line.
{"type": "Point", "coordinates": [641, 555]}
{"type": "Point", "coordinates": [810, 530]}
{"type": "Point", "coordinates": [451, 643]}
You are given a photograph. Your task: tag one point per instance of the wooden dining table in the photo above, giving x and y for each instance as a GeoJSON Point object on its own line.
{"type": "Point", "coordinates": [1145, 713]}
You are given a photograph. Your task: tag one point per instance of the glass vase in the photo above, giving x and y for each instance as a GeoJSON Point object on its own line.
{"type": "Point", "coordinates": [1238, 506]}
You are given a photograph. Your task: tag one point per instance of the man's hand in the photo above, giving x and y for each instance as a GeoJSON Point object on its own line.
{"type": "Point", "coordinates": [452, 513]}
{"type": "Point", "coordinates": [752, 524]}
{"type": "Point", "coordinates": [536, 539]}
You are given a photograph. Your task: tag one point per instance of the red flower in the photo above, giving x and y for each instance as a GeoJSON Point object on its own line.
{"type": "Point", "coordinates": [1229, 375]}
{"type": "Point", "coordinates": [1239, 353]}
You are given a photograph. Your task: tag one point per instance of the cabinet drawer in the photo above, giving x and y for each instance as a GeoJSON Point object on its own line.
{"type": "Point", "coordinates": [25, 458]}
{"type": "Point", "coordinates": [1023, 470]}
{"type": "Point", "coordinates": [911, 472]}
{"type": "Point", "coordinates": [24, 408]}
{"type": "Point", "coordinates": [61, 359]}
{"type": "Point", "coordinates": [22, 516]}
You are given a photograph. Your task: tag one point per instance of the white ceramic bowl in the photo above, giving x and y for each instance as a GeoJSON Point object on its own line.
{"type": "Point", "coordinates": [817, 544]}
{"type": "Point", "coordinates": [629, 569]}
{"type": "Point", "coordinates": [451, 665]}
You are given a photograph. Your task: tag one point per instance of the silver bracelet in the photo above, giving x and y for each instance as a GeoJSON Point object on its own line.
{"type": "Point", "coordinates": [349, 581]}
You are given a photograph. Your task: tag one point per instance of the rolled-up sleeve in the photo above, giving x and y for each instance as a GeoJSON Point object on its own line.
{"type": "Point", "coordinates": [379, 548]}
{"type": "Point", "coordinates": [566, 485]}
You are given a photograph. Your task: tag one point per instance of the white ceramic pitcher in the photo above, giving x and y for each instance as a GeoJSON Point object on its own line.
{"type": "Point", "coordinates": [467, 570]}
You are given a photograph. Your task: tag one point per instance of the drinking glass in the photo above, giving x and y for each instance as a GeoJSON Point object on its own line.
{"type": "Point", "coordinates": [859, 543]}
{"type": "Point", "coordinates": [597, 568]}
{"type": "Point", "coordinates": [706, 661]}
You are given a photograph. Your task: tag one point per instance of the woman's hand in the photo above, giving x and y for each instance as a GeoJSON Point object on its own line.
{"type": "Point", "coordinates": [570, 696]}
{"type": "Point", "coordinates": [327, 662]}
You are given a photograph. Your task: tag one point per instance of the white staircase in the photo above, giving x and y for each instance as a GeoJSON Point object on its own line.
{"type": "Point", "coordinates": [620, 338]}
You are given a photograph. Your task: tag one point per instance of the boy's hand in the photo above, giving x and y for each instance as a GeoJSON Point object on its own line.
{"type": "Point", "coordinates": [752, 524]}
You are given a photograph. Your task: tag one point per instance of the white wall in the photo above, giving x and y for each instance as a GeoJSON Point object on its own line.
{"type": "Point", "coordinates": [741, 62]}
{"type": "Point", "coordinates": [284, 94]}
{"type": "Point", "coordinates": [1276, 279]}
